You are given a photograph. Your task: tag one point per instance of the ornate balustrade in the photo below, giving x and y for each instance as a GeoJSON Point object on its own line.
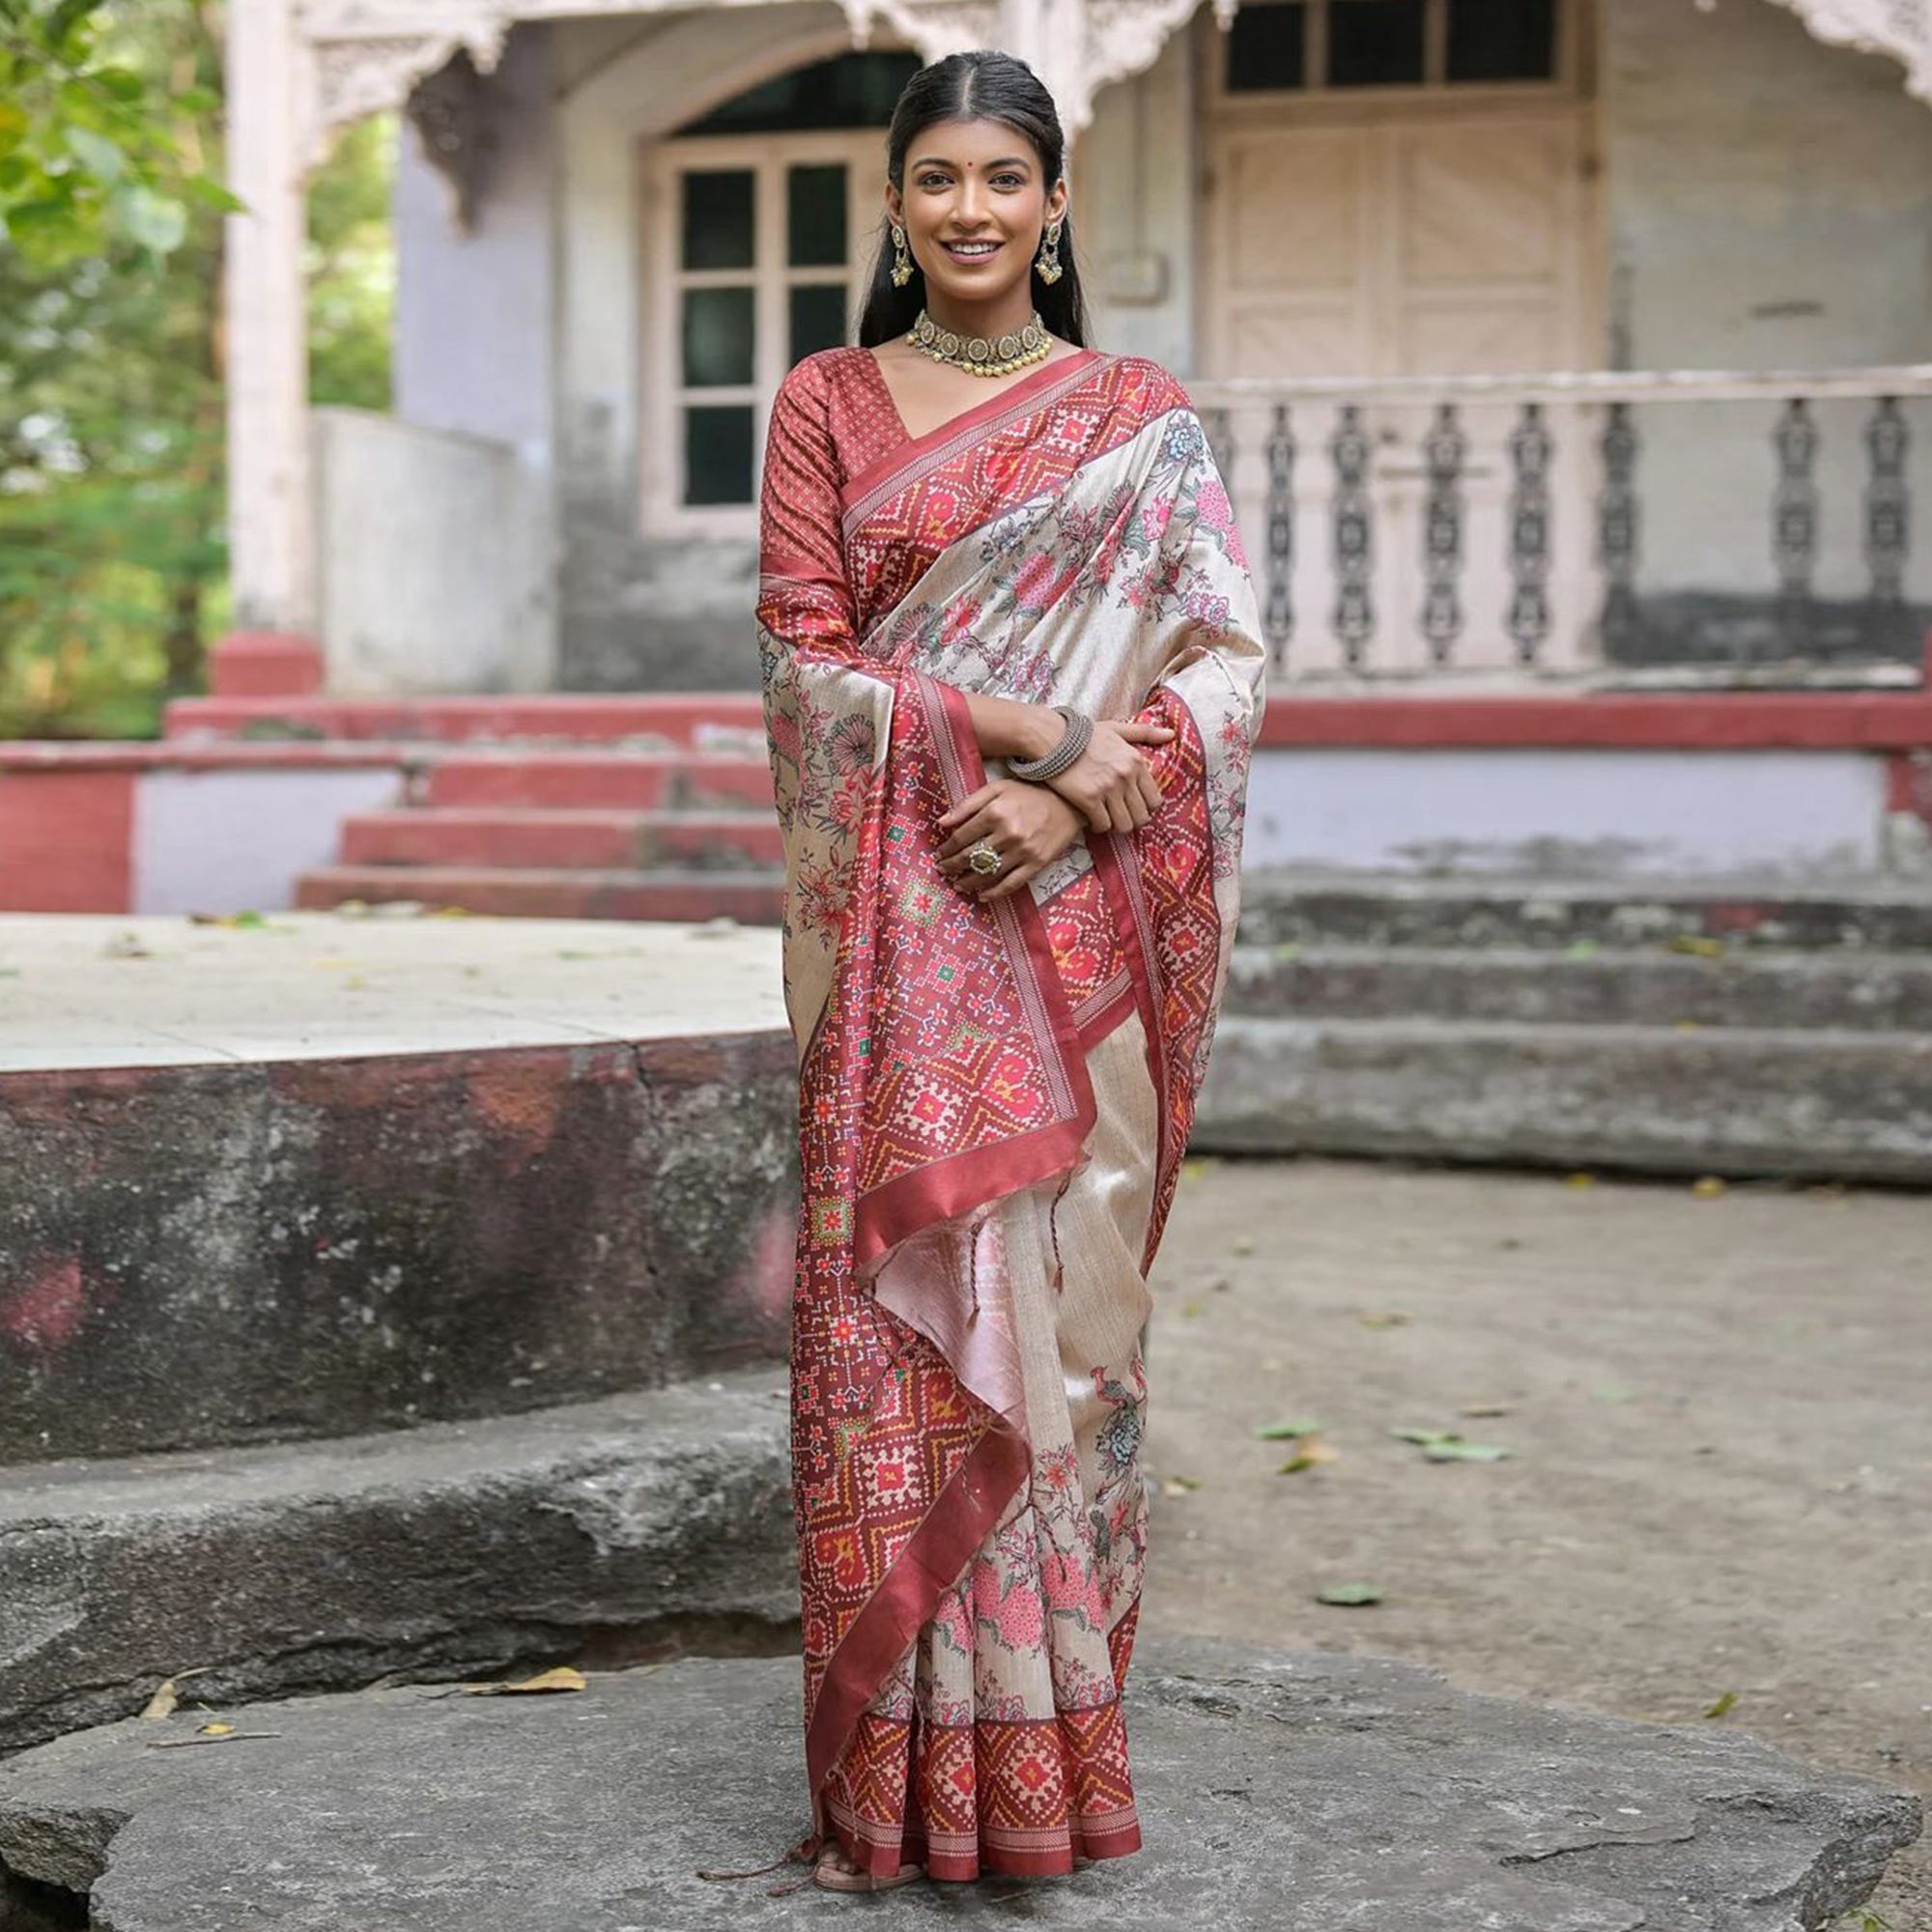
{"type": "Point", "coordinates": [1740, 528]}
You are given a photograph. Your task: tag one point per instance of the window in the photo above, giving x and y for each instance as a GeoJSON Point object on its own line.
{"type": "Point", "coordinates": [764, 245]}
{"type": "Point", "coordinates": [1333, 45]}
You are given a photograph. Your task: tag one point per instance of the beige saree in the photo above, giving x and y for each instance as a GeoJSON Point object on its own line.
{"type": "Point", "coordinates": [993, 1097]}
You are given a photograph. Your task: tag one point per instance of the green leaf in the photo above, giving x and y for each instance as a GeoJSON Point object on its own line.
{"type": "Point", "coordinates": [210, 194]}
{"type": "Point", "coordinates": [152, 220]}
{"type": "Point", "coordinates": [97, 153]}
{"type": "Point", "coordinates": [1349, 1595]}
{"type": "Point", "coordinates": [1287, 1431]}
{"type": "Point", "coordinates": [1454, 1450]}
{"type": "Point", "coordinates": [1723, 1706]}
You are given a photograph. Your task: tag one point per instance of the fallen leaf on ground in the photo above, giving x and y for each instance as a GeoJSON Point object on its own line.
{"type": "Point", "coordinates": [562, 1678]}
{"type": "Point", "coordinates": [1287, 1431]}
{"type": "Point", "coordinates": [1725, 1704]}
{"type": "Point", "coordinates": [1483, 1408]}
{"type": "Point", "coordinates": [217, 1729]}
{"type": "Point", "coordinates": [167, 1696]}
{"type": "Point", "coordinates": [1446, 1445]}
{"type": "Point", "coordinates": [1708, 1187]}
{"type": "Point", "coordinates": [127, 946]}
{"type": "Point", "coordinates": [1393, 1318]}
{"type": "Point", "coordinates": [1702, 948]}
{"type": "Point", "coordinates": [1582, 1180]}
{"type": "Point", "coordinates": [1308, 1455]}
{"type": "Point", "coordinates": [1243, 1245]}
{"type": "Point", "coordinates": [1349, 1595]}
{"type": "Point", "coordinates": [1181, 1486]}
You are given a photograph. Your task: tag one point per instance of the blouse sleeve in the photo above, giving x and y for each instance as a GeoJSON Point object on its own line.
{"type": "Point", "coordinates": [803, 594]}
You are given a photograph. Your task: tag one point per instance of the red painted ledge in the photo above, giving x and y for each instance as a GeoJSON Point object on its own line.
{"type": "Point", "coordinates": [1686, 721]}
{"type": "Point", "coordinates": [266, 664]}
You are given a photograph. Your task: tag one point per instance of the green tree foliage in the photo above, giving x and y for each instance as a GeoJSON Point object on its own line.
{"type": "Point", "coordinates": [112, 565]}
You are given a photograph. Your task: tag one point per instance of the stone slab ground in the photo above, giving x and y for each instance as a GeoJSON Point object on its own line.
{"type": "Point", "coordinates": [1295, 1793]}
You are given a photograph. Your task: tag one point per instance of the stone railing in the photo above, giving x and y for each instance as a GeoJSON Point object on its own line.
{"type": "Point", "coordinates": [1693, 525]}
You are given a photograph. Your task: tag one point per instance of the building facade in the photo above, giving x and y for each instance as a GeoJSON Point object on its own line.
{"type": "Point", "coordinates": [1546, 342]}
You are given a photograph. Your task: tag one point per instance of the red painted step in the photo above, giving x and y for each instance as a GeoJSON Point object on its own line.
{"type": "Point", "coordinates": [754, 898]}
{"type": "Point", "coordinates": [719, 721]}
{"type": "Point", "coordinates": [605, 781]}
{"type": "Point", "coordinates": [519, 838]}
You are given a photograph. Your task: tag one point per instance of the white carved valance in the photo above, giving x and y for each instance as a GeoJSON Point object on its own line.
{"type": "Point", "coordinates": [1900, 28]}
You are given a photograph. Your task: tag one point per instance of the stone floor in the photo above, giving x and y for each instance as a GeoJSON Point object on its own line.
{"type": "Point", "coordinates": [1715, 1410]}
{"type": "Point", "coordinates": [1283, 1794]}
{"type": "Point", "coordinates": [87, 990]}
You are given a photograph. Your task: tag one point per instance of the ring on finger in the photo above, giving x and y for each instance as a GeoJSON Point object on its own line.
{"type": "Point", "coordinates": [983, 858]}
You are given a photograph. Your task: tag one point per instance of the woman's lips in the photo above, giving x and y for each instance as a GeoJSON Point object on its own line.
{"type": "Point", "coordinates": [970, 253]}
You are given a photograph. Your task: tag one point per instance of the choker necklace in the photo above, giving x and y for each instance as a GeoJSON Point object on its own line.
{"type": "Point", "coordinates": [983, 355]}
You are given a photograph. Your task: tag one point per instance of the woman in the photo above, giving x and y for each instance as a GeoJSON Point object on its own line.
{"type": "Point", "coordinates": [1011, 678]}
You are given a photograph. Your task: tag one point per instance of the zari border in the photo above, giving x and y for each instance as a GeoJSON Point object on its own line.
{"type": "Point", "coordinates": [918, 456]}
{"type": "Point", "coordinates": [962, 1515]}
{"type": "Point", "coordinates": [941, 1190]}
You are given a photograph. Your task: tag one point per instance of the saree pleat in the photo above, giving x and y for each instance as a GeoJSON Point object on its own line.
{"type": "Point", "coordinates": [994, 1096]}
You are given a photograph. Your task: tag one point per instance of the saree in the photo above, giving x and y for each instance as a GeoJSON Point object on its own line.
{"type": "Point", "coordinates": [993, 1097]}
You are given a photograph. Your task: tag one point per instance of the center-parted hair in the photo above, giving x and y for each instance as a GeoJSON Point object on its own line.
{"type": "Point", "coordinates": [979, 86]}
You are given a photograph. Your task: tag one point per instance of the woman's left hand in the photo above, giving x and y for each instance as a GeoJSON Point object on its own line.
{"type": "Point", "coordinates": [1029, 826]}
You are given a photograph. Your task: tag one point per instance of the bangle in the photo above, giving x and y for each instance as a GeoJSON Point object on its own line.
{"type": "Point", "coordinates": [1066, 752]}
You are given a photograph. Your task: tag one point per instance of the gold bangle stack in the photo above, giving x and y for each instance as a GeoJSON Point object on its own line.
{"type": "Point", "coordinates": [983, 355]}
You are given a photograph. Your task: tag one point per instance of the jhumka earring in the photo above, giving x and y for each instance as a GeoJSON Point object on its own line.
{"type": "Point", "coordinates": [901, 258]}
{"type": "Point", "coordinates": [1048, 260]}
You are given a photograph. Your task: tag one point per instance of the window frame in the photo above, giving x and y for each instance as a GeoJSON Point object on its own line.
{"type": "Point", "coordinates": [662, 391]}
{"type": "Point", "coordinates": [1571, 79]}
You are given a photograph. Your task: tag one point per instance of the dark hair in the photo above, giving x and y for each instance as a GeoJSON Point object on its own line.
{"type": "Point", "coordinates": [982, 86]}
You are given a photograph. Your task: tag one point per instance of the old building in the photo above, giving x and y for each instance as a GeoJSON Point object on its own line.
{"type": "Point", "coordinates": [1542, 337]}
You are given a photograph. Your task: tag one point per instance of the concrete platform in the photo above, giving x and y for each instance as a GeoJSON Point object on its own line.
{"type": "Point", "coordinates": [104, 990]}
{"type": "Point", "coordinates": [1280, 1792]}
{"type": "Point", "coordinates": [324, 1176]}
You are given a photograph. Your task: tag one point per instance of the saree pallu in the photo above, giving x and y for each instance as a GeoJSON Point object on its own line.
{"type": "Point", "coordinates": [994, 1097]}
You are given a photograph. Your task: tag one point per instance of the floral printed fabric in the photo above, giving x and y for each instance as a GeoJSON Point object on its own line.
{"type": "Point", "coordinates": [993, 1100]}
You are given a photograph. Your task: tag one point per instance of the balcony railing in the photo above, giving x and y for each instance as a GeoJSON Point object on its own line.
{"type": "Point", "coordinates": [1693, 525]}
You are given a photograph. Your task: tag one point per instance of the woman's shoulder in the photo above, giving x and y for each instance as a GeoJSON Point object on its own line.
{"type": "Point", "coordinates": [1154, 388]}
{"type": "Point", "coordinates": [816, 376]}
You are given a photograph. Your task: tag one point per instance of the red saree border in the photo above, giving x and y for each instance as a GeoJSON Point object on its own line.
{"type": "Point", "coordinates": [919, 455]}
{"type": "Point", "coordinates": [945, 1188]}
{"type": "Point", "coordinates": [962, 1515]}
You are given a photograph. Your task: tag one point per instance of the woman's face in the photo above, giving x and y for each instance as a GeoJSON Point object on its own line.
{"type": "Point", "coordinates": [973, 204]}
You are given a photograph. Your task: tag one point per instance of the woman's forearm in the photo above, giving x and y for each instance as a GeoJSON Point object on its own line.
{"type": "Point", "coordinates": [1008, 727]}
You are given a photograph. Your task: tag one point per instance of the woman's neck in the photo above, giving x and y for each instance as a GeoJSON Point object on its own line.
{"type": "Point", "coordinates": [1003, 315]}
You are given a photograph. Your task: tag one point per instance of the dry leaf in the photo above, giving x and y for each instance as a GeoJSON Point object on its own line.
{"type": "Point", "coordinates": [1308, 1455]}
{"type": "Point", "coordinates": [216, 1730]}
{"type": "Point", "coordinates": [164, 1701]}
{"type": "Point", "coordinates": [562, 1678]}
{"type": "Point", "coordinates": [1708, 1187]}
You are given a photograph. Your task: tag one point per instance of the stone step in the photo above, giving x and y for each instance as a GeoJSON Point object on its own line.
{"type": "Point", "coordinates": [531, 838]}
{"type": "Point", "coordinates": [1271, 1787]}
{"type": "Point", "coordinates": [1379, 909]}
{"type": "Point", "coordinates": [232, 1252]}
{"type": "Point", "coordinates": [627, 781]}
{"type": "Point", "coordinates": [453, 1547]}
{"type": "Point", "coordinates": [723, 721]}
{"type": "Point", "coordinates": [1742, 1101]}
{"type": "Point", "coordinates": [1599, 986]}
{"type": "Point", "coordinates": [664, 893]}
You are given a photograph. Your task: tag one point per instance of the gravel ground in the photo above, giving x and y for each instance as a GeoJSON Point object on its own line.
{"type": "Point", "coordinates": [1717, 1411]}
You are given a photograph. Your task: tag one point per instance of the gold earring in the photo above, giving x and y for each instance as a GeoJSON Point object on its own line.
{"type": "Point", "coordinates": [901, 258]}
{"type": "Point", "coordinates": [1049, 263]}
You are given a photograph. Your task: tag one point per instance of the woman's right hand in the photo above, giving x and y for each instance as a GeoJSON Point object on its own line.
{"type": "Point", "coordinates": [1111, 784]}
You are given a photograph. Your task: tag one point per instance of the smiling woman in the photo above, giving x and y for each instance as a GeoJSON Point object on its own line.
{"type": "Point", "coordinates": [1012, 679]}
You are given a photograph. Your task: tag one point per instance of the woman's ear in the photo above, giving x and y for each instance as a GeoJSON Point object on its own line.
{"type": "Point", "coordinates": [1056, 201]}
{"type": "Point", "coordinates": [894, 207]}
